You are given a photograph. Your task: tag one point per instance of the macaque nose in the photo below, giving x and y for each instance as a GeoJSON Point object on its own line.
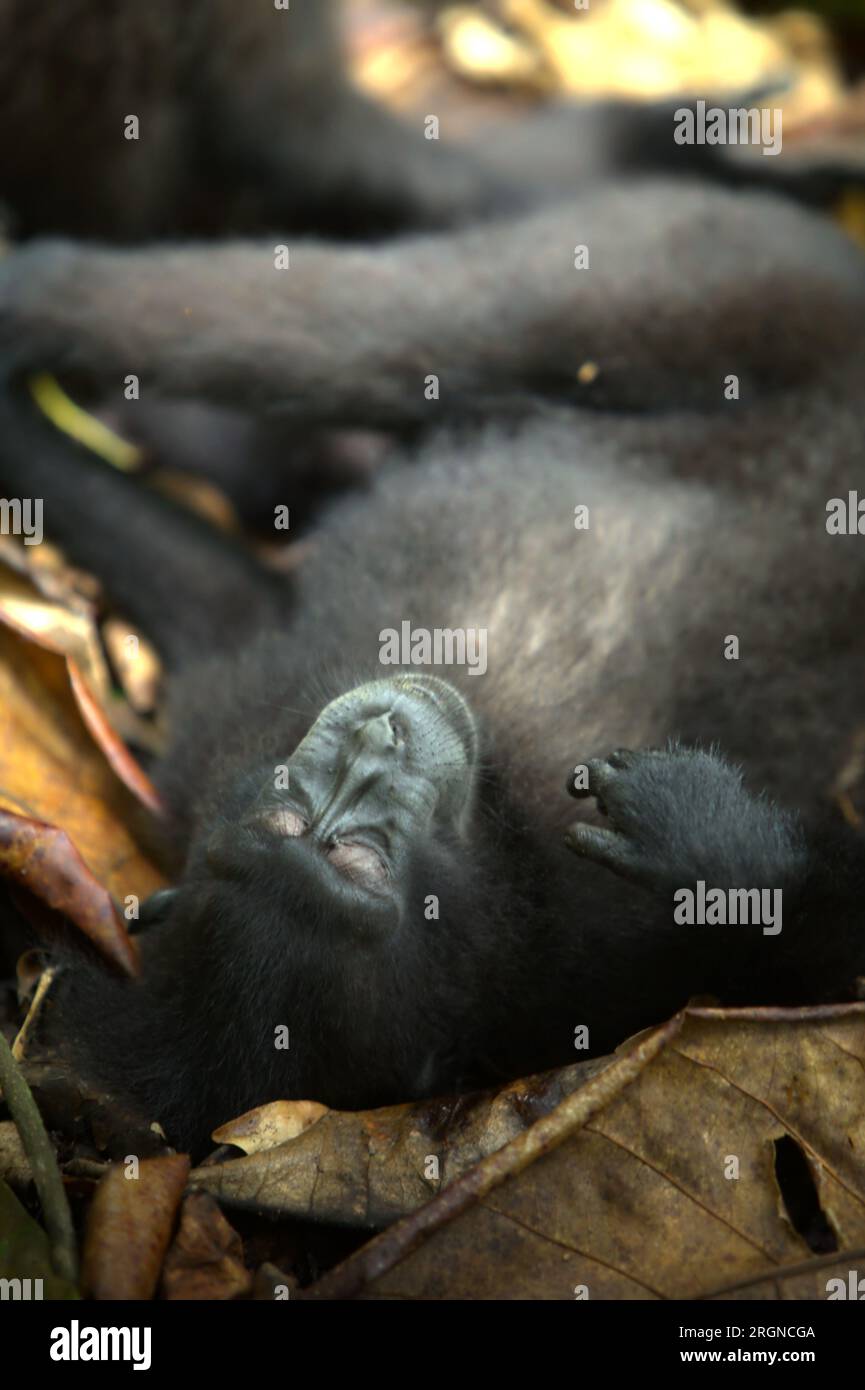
{"type": "Point", "coordinates": [380, 734]}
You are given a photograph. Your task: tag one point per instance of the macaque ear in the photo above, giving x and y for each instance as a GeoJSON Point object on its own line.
{"type": "Point", "coordinates": [155, 909]}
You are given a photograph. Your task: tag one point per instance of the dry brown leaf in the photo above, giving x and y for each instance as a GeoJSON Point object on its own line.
{"type": "Point", "coordinates": [639, 1201]}
{"type": "Point", "coordinates": [57, 626]}
{"type": "Point", "coordinates": [47, 569]}
{"type": "Point", "coordinates": [43, 860]}
{"type": "Point", "coordinates": [51, 771]}
{"type": "Point", "coordinates": [270, 1125]}
{"type": "Point", "coordinates": [129, 1227]}
{"type": "Point", "coordinates": [206, 1257]}
{"type": "Point", "coordinates": [118, 756]}
{"type": "Point", "coordinates": [136, 663]}
{"type": "Point", "coordinates": [369, 1167]}
{"type": "Point", "coordinates": [67, 627]}
{"type": "Point", "coordinates": [808, 1280]}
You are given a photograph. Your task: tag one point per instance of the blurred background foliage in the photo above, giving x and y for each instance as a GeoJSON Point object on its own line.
{"type": "Point", "coordinates": [812, 55]}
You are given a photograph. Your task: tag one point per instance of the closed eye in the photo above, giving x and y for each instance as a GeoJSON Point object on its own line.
{"type": "Point", "coordinates": [285, 821]}
{"type": "Point", "coordinates": [360, 863]}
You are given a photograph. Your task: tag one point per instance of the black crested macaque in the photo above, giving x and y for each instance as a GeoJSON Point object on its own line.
{"type": "Point", "coordinates": [376, 853]}
{"type": "Point", "coordinates": [209, 118]}
{"type": "Point", "coordinates": [247, 123]}
{"type": "Point", "coordinates": [496, 313]}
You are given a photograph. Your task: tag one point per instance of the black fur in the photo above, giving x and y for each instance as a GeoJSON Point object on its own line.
{"type": "Point", "coordinates": [247, 123]}
{"type": "Point", "coordinates": [708, 518]}
{"type": "Point", "coordinates": [685, 283]}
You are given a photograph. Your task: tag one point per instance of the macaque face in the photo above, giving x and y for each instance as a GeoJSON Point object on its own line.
{"type": "Point", "coordinates": [384, 777]}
